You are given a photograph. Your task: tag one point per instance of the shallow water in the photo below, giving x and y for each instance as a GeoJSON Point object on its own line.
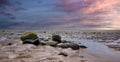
{"type": "Point", "coordinates": [3, 38]}
{"type": "Point", "coordinates": [98, 52]}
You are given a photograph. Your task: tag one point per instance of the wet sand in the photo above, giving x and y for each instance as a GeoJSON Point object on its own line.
{"type": "Point", "coordinates": [98, 52]}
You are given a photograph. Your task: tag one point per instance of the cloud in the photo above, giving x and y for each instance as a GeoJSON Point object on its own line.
{"type": "Point", "coordinates": [87, 6]}
{"type": "Point", "coordinates": [92, 13]}
{"type": "Point", "coordinates": [101, 5]}
{"type": "Point", "coordinates": [9, 7]}
{"type": "Point", "coordinates": [4, 2]}
{"type": "Point", "coordinates": [60, 14]}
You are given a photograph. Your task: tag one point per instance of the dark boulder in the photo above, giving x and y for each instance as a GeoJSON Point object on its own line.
{"type": "Point", "coordinates": [73, 46]}
{"type": "Point", "coordinates": [56, 38]}
{"type": "Point", "coordinates": [36, 42]}
{"type": "Point", "coordinates": [28, 41]}
{"type": "Point", "coordinates": [82, 46]}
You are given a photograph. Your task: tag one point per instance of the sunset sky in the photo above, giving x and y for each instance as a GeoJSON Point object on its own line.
{"type": "Point", "coordinates": [60, 14]}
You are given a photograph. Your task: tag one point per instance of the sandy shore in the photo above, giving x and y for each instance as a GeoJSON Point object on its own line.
{"type": "Point", "coordinates": [31, 53]}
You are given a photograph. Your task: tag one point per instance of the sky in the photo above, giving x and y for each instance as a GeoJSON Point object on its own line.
{"type": "Point", "coordinates": [60, 14]}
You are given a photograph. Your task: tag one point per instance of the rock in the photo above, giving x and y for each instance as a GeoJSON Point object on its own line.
{"type": "Point", "coordinates": [63, 53]}
{"type": "Point", "coordinates": [50, 43]}
{"type": "Point", "coordinates": [36, 42]}
{"type": "Point", "coordinates": [64, 41]}
{"type": "Point", "coordinates": [46, 40]}
{"type": "Point", "coordinates": [82, 46]}
{"type": "Point", "coordinates": [56, 38]}
{"type": "Point", "coordinates": [79, 43]}
{"type": "Point", "coordinates": [73, 46]}
{"type": "Point", "coordinates": [63, 45]}
{"type": "Point", "coordinates": [10, 44]}
{"type": "Point", "coordinates": [30, 38]}
{"type": "Point", "coordinates": [28, 41]}
{"type": "Point", "coordinates": [41, 38]}
{"type": "Point", "coordinates": [29, 35]}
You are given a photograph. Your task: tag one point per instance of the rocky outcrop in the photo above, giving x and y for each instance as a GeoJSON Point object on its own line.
{"type": "Point", "coordinates": [31, 38]}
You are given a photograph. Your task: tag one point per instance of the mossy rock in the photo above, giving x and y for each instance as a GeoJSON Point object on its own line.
{"type": "Point", "coordinates": [56, 38]}
{"type": "Point", "coordinates": [50, 43]}
{"type": "Point", "coordinates": [29, 35]}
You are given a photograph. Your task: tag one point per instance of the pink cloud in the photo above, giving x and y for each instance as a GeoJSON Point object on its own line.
{"type": "Point", "coordinates": [99, 11]}
{"type": "Point", "coordinates": [87, 6]}
{"type": "Point", "coordinates": [103, 5]}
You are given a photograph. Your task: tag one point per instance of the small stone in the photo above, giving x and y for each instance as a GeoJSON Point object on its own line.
{"type": "Point", "coordinates": [9, 43]}
{"type": "Point", "coordinates": [63, 53]}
